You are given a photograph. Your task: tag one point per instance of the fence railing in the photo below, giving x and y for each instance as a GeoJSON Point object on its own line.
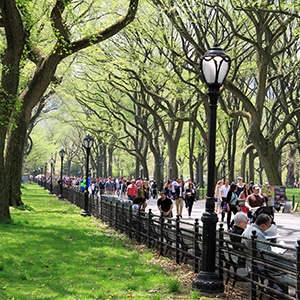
{"type": "Point", "coordinates": [268, 275]}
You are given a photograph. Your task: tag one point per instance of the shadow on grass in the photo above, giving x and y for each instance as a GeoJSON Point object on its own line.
{"type": "Point", "coordinates": [52, 252]}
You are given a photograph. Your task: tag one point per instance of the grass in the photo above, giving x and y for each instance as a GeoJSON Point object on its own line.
{"type": "Point", "coordinates": [49, 251]}
{"type": "Point", "coordinates": [293, 192]}
{"type": "Point", "coordinates": [290, 192]}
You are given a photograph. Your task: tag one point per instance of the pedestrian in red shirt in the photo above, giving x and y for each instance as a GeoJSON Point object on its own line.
{"type": "Point", "coordinates": [132, 190]}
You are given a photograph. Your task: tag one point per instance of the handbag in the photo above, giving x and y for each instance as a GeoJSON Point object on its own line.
{"type": "Point", "coordinates": [225, 207]}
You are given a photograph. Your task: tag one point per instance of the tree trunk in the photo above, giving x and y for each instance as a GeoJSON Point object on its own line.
{"type": "Point", "coordinates": [110, 159]}
{"type": "Point", "coordinates": [14, 161]}
{"type": "Point", "coordinates": [4, 201]}
{"type": "Point", "coordinates": [158, 168]}
{"type": "Point", "coordinates": [290, 176]}
{"type": "Point", "coordinates": [269, 157]}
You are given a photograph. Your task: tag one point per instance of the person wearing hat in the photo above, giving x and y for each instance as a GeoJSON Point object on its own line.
{"type": "Point", "coordinates": [240, 185]}
{"type": "Point", "coordinates": [165, 205]}
{"type": "Point", "coordinates": [255, 199]}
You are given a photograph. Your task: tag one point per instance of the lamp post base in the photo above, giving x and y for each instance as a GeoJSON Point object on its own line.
{"type": "Point", "coordinates": [208, 283]}
{"type": "Point", "coordinates": [85, 213]}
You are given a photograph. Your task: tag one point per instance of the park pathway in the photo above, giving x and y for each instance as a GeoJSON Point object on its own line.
{"type": "Point", "coordinates": [288, 224]}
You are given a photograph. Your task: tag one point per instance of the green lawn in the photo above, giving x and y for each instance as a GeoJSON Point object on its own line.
{"type": "Point", "coordinates": [290, 192]}
{"type": "Point", "coordinates": [49, 251]}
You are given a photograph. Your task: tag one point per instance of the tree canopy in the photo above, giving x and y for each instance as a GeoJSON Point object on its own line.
{"type": "Point", "coordinates": [36, 37]}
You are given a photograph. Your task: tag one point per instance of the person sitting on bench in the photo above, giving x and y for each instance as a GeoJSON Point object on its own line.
{"type": "Point", "coordinates": [240, 222]}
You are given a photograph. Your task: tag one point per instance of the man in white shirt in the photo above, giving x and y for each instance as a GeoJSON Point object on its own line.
{"type": "Point", "coordinates": [224, 191]}
{"type": "Point", "coordinates": [174, 186]}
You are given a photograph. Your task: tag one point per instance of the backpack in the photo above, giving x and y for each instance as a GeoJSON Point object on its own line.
{"type": "Point", "coordinates": [233, 199]}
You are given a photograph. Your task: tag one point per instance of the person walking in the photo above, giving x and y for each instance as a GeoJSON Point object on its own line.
{"type": "Point", "coordinates": [174, 186]}
{"type": "Point", "coordinates": [143, 194]}
{"type": "Point", "coordinates": [110, 186]}
{"type": "Point", "coordinates": [254, 201]}
{"type": "Point", "coordinates": [218, 196]}
{"type": "Point", "coordinates": [179, 197]}
{"type": "Point", "coordinates": [132, 190]}
{"type": "Point", "coordinates": [240, 185]}
{"type": "Point", "coordinates": [233, 204]}
{"type": "Point", "coordinates": [190, 194]}
{"type": "Point", "coordinates": [242, 198]}
{"type": "Point", "coordinates": [165, 205]}
{"type": "Point", "coordinates": [224, 191]}
{"type": "Point", "coordinates": [153, 189]}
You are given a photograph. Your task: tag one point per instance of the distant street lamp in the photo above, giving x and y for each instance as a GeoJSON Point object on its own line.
{"type": "Point", "coordinates": [215, 65]}
{"type": "Point", "coordinates": [141, 172]}
{"type": "Point", "coordinates": [46, 164]}
{"type": "Point", "coordinates": [42, 172]}
{"type": "Point", "coordinates": [88, 144]}
{"type": "Point", "coordinates": [170, 171]}
{"type": "Point", "coordinates": [61, 154]}
{"type": "Point", "coordinates": [51, 178]}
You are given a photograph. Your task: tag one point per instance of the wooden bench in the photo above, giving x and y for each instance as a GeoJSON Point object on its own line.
{"type": "Point", "coordinates": [277, 272]}
{"type": "Point", "coordinates": [189, 241]}
{"type": "Point", "coordinates": [269, 273]}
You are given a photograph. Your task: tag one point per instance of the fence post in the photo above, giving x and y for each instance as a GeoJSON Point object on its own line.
{"type": "Point", "coordinates": [92, 205]}
{"type": "Point", "coordinates": [122, 217]}
{"type": "Point", "coordinates": [130, 223]}
{"type": "Point", "coordinates": [161, 220]}
{"type": "Point", "coordinates": [253, 266]}
{"type": "Point", "coordinates": [298, 271]}
{"type": "Point", "coordinates": [177, 253]}
{"type": "Point", "coordinates": [221, 251]}
{"type": "Point", "coordinates": [97, 206]}
{"type": "Point", "coordinates": [107, 213]}
{"type": "Point", "coordinates": [104, 209]}
{"type": "Point", "coordinates": [101, 208]}
{"type": "Point", "coordinates": [196, 240]}
{"type": "Point", "coordinates": [148, 227]}
{"type": "Point", "coordinates": [110, 212]}
{"type": "Point", "coordinates": [116, 216]}
{"type": "Point", "coordinates": [138, 234]}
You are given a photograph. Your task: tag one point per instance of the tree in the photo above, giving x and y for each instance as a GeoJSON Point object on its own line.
{"type": "Point", "coordinates": [25, 27]}
{"type": "Point", "coordinates": [258, 38]}
{"type": "Point", "coordinates": [147, 78]}
{"type": "Point", "coordinates": [161, 58]}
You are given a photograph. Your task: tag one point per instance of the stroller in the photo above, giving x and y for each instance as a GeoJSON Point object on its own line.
{"type": "Point", "coordinates": [254, 212]}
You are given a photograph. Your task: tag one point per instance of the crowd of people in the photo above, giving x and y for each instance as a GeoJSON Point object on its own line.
{"type": "Point", "coordinates": [240, 197]}
{"type": "Point", "coordinates": [177, 191]}
{"type": "Point", "coordinates": [230, 197]}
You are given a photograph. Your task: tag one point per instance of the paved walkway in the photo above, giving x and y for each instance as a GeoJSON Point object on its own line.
{"type": "Point", "coordinates": [288, 224]}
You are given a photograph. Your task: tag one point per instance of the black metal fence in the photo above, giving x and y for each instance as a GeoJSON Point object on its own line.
{"type": "Point", "coordinates": [267, 275]}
